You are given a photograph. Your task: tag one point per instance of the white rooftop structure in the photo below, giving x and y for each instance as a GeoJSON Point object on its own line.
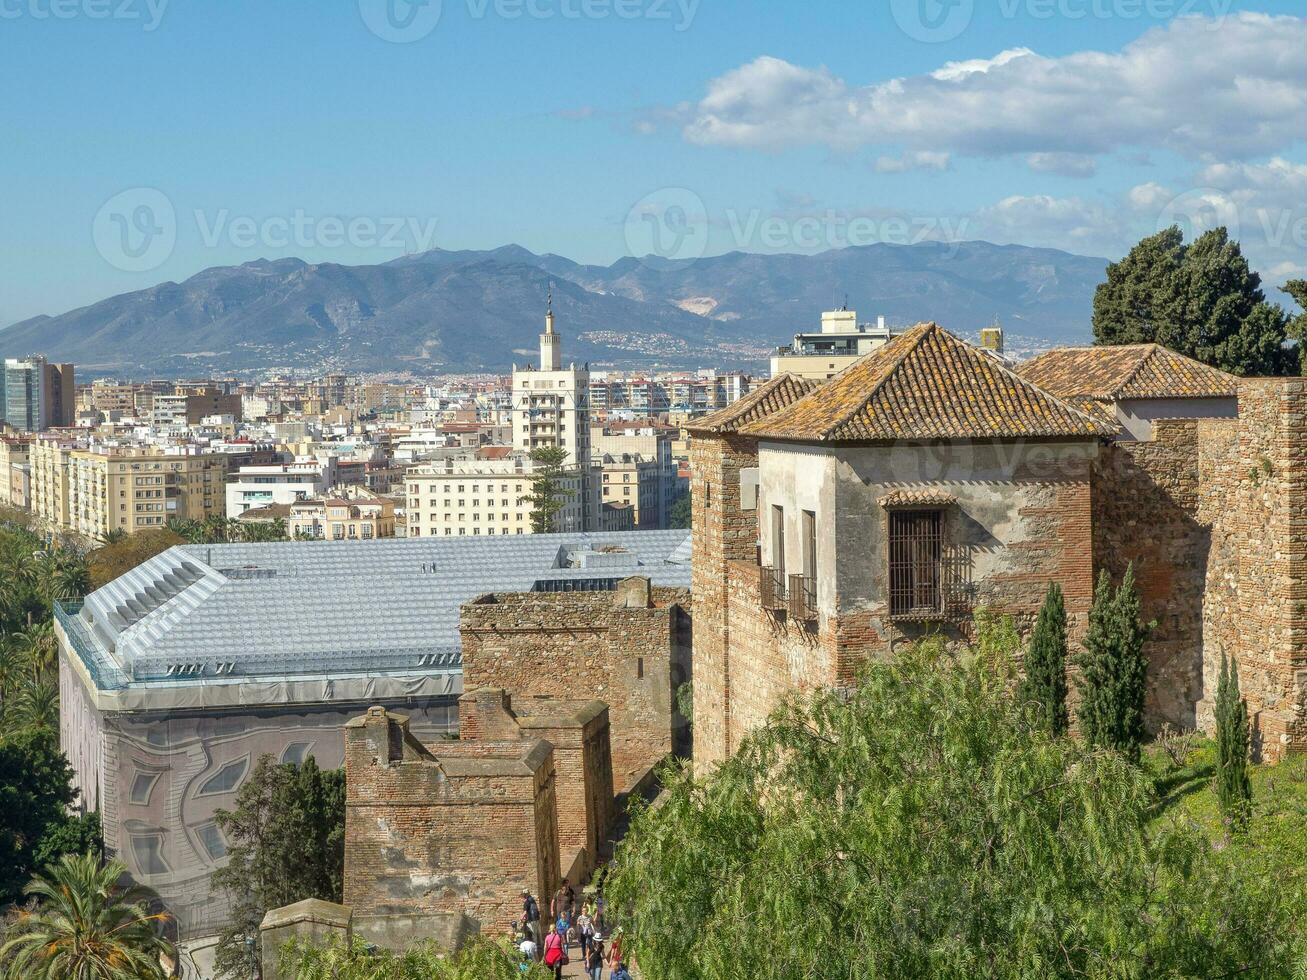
{"type": "Point", "coordinates": [200, 618]}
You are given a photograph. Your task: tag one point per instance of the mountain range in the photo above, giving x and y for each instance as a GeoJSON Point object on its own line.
{"type": "Point", "coordinates": [480, 311]}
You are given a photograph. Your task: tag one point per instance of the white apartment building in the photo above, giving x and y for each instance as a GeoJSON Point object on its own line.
{"type": "Point", "coordinates": [471, 497]}
{"type": "Point", "coordinates": [283, 483]}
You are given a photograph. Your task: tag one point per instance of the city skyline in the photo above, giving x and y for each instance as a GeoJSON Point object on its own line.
{"type": "Point", "coordinates": [694, 128]}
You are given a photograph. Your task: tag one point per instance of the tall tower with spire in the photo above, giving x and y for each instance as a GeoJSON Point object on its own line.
{"type": "Point", "coordinates": [551, 350]}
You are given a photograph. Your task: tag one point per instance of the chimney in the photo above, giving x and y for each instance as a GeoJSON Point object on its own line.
{"type": "Point", "coordinates": [991, 338]}
{"type": "Point", "coordinates": [634, 593]}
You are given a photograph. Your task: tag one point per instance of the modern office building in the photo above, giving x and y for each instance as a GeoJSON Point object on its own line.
{"type": "Point", "coordinates": [841, 341]}
{"type": "Point", "coordinates": [176, 677]}
{"type": "Point", "coordinates": [279, 483]}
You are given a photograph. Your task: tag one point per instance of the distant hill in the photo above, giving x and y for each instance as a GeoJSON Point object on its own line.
{"type": "Point", "coordinates": [447, 311]}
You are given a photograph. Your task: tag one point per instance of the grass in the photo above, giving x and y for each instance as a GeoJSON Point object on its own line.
{"type": "Point", "coordinates": [1274, 844]}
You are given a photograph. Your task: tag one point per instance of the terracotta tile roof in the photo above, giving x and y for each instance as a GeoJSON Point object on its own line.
{"type": "Point", "coordinates": [1127, 371]}
{"type": "Point", "coordinates": [777, 393]}
{"type": "Point", "coordinates": [924, 497]}
{"type": "Point", "coordinates": [927, 384]}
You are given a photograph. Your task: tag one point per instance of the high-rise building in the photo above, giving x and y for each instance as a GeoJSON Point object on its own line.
{"type": "Point", "coordinates": [36, 395]}
{"type": "Point", "coordinates": [90, 491]}
{"type": "Point", "coordinates": [551, 407]}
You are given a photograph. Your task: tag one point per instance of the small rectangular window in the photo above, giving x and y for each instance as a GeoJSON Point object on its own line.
{"type": "Point", "coordinates": [916, 562]}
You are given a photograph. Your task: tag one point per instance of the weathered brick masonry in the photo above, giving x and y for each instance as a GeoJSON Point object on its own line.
{"type": "Point", "coordinates": [583, 765]}
{"type": "Point", "coordinates": [629, 648]}
{"type": "Point", "coordinates": [456, 827]}
{"type": "Point", "coordinates": [1214, 514]}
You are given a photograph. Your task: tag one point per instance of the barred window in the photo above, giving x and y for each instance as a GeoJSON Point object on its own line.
{"type": "Point", "coordinates": [916, 562]}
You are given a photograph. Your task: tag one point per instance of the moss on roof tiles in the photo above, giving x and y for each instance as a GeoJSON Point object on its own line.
{"type": "Point", "coordinates": [926, 384]}
{"type": "Point", "coordinates": [1112, 373]}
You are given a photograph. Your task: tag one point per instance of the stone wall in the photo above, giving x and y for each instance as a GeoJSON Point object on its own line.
{"type": "Point", "coordinates": [1213, 513]}
{"type": "Point", "coordinates": [583, 765]}
{"type": "Point", "coordinates": [629, 648]}
{"type": "Point", "coordinates": [1018, 517]}
{"type": "Point", "coordinates": [723, 533]}
{"type": "Point", "coordinates": [453, 828]}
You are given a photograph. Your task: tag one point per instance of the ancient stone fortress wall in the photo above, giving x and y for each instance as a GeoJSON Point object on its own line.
{"type": "Point", "coordinates": [629, 648]}
{"type": "Point", "coordinates": [583, 765]}
{"type": "Point", "coordinates": [458, 827]}
{"type": "Point", "coordinates": [1213, 513]}
{"type": "Point", "coordinates": [723, 532]}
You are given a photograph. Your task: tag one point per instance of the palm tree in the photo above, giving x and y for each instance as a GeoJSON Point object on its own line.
{"type": "Point", "coordinates": [41, 647]}
{"type": "Point", "coordinates": [113, 535]}
{"type": "Point", "coordinates": [85, 927]}
{"type": "Point", "coordinates": [63, 575]}
{"type": "Point", "coordinates": [35, 705]}
{"type": "Point", "coordinates": [14, 667]}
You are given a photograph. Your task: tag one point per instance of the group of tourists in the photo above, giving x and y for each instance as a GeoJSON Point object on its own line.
{"type": "Point", "coordinates": [574, 921]}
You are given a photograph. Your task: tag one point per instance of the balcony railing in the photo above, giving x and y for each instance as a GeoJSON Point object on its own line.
{"type": "Point", "coordinates": [803, 598]}
{"type": "Point", "coordinates": [771, 587]}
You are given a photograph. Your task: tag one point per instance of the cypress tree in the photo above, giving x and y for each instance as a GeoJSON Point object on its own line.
{"type": "Point", "coordinates": [1233, 790]}
{"type": "Point", "coordinates": [1114, 669]}
{"type": "Point", "coordinates": [1044, 686]}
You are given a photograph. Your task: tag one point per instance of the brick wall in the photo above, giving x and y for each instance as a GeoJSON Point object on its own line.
{"type": "Point", "coordinates": [456, 827]}
{"type": "Point", "coordinates": [723, 533]}
{"type": "Point", "coordinates": [583, 765]}
{"type": "Point", "coordinates": [626, 648]}
{"type": "Point", "coordinates": [1213, 513]}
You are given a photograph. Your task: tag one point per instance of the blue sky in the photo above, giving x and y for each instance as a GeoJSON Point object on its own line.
{"type": "Point", "coordinates": [227, 132]}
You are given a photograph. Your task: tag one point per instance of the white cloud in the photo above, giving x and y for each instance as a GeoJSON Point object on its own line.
{"type": "Point", "coordinates": [1149, 196]}
{"type": "Point", "coordinates": [1063, 164]}
{"type": "Point", "coordinates": [1070, 223]}
{"type": "Point", "coordinates": [913, 160]}
{"type": "Point", "coordinates": [1233, 91]}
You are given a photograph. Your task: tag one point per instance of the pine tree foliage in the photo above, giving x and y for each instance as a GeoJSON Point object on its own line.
{"type": "Point", "coordinates": [1114, 669]}
{"type": "Point", "coordinates": [1044, 688]}
{"type": "Point", "coordinates": [286, 843]}
{"type": "Point", "coordinates": [548, 493]}
{"type": "Point", "coordinates": [922, 826]}
{"type": "Point", "coordinates": [1200, 299]}
{"type": "Point", "coordinates": [1233, 788]}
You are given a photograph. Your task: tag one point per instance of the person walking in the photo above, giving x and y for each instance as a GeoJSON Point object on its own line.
{"type": "Point", "coordinates": [620, 972]}
{"type": "Point", "coordinates": [615, 951]}
{"type": "Point", "coordinates": [584, 930]}
{"type": "Point", "coordinates": [594, 959]}
{"type": "Point", "coordinates": [531, 919]}
{"type": "Point", "coordinates": [555, 952]}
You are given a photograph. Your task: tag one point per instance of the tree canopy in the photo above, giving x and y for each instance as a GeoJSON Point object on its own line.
{"type": "Point", "coordinates": [286, 843]}
{"type": "Point", "coordinates": [548, 495]}
{"type": "Point", "coordinates": [925, 824]}
{"type": "Point", "coordinates": [1201, 299]}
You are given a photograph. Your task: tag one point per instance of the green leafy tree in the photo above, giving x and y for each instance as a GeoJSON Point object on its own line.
{"type": "Point", "coordinates": [85, 927]}
{"type": "Point", "coordinates": [482, 959]}
{"type": "Point", "coordinates": [548, 494]}
{"type": "Point", "coordinates": [1201, 299]}
{"type": "Point", "coordinates": [1114, 669]}
{"type": "Point", "coordinates": [117, 558]}
{"type": "Point", "coordinates": [921, 826]}
{"type": "Point", "coordinates": [1234, 791]}
{"type": "Point", "coordinates": [1297, 327]}
{"type": "Point", "coordinates": [1044, 687]}
{"type": "Point", "coordinates": [681, 515]}
{"type": "Point", "coordinates": [286, 843]}
{"type": "Point", "coordinates": [35, 706]}
{"type": "Point", "coordinates": [36, 791]}
{"type": "Point", "coordinates": [80, 833]}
